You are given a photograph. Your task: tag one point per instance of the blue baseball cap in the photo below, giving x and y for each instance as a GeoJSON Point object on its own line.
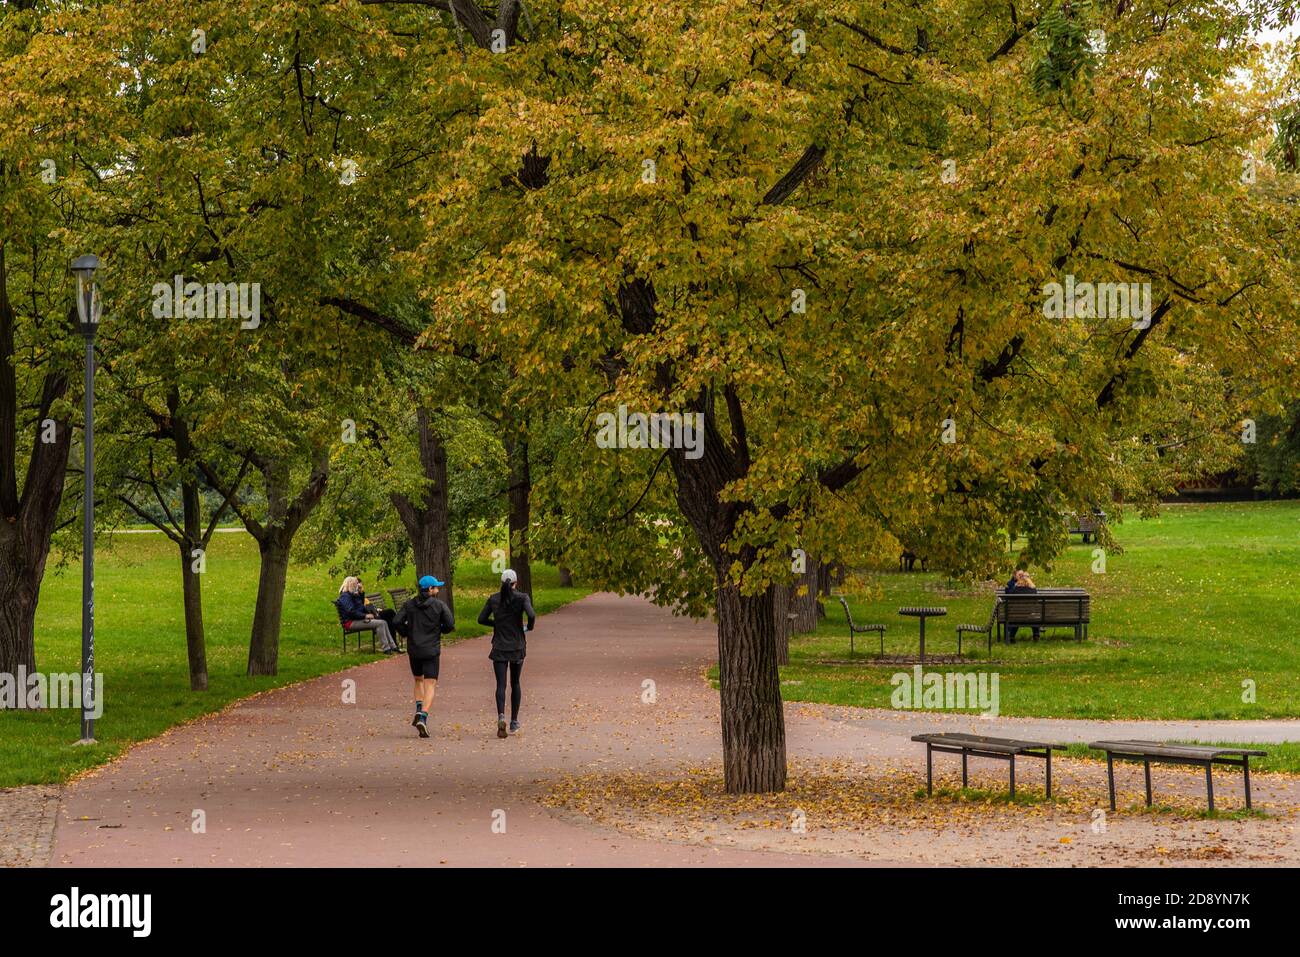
{"type": "Point", "coordinates": [428, 581]}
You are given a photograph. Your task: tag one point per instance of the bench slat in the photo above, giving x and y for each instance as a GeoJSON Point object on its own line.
{"type": "Point", "coordinates": [1165, 749]}
{"type": "Point", "coordinates": [985, 743]}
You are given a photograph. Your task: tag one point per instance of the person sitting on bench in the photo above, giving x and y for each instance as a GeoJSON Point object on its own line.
{"type": "Point", "coordinates": [1021, 583]}
{"type": "Point", "coordinates": [353, 616]}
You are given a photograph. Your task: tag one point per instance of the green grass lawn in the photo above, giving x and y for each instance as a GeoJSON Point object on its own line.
{"type": "Point", "coordinates": [1201, 600]}
{"type": "Point", "coordinates": [140, 643]}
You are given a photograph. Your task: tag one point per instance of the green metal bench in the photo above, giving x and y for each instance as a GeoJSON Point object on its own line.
{"type": "Point", "coordinates": [860, 629]}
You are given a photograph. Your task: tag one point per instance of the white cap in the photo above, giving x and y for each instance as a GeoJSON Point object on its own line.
{"type": "Point", "coordinates": [509, 576]}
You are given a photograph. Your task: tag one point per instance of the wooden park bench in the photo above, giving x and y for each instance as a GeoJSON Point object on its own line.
{"type": "Point", "coordinates": [400, 597]}
{"type": "Point", "coordinates": [1196, 755]}
{"type": "Point", "coordinates": [979, 746]}
{"type": "Point", "coordinates": [860, 629]}
{"type": "Point", "coordinates": [1044, 608]}
{"type": "Point", "coordinates": [1087, 524]}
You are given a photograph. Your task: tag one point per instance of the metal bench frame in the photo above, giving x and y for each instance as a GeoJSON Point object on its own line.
{"type": "Point", "coordinates": [979, 746]}
{"type": "Point", "coordinates": [981, 629]}
{"type": "Point", "coordinates": [1193, 755]}
{"type": "Point", "coordinates": [861, 629]}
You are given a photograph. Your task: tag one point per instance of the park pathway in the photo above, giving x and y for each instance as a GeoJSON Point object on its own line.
{"type": "Point", "coordinates": [298, 777]}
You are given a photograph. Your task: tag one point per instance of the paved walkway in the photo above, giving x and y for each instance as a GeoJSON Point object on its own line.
{"type": "Point", "coordinates": [298, 777]}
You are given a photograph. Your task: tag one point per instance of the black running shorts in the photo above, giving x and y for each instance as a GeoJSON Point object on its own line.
{"type": "Point", "coordinates": [425, 667]}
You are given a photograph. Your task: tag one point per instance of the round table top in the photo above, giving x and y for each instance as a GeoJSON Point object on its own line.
{"type": "Point", "coordinates": [923, 612]}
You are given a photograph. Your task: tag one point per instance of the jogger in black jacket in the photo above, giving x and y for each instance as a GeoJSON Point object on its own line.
{"type": "Point", "coordinates": [505, 612]}
{"type": "Point", "coordinates": [427, 618]}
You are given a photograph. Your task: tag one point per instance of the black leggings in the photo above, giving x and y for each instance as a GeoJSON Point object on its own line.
{"type": "Point", "coordinates": [516, 695]}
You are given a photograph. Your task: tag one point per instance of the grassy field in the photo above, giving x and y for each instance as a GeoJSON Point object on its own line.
{"type": "Point", "coordinates": [1200, 601]}
{"type": "Point", "coordinates": [140, 643]}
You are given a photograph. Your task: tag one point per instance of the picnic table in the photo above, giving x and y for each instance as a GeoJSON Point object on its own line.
{"type": "Point", "coordinates": [980, 746]}
{"type": "Point", "coordinates": [923, 613]}
{"type": "Point", "coordinates": [1197, 755]}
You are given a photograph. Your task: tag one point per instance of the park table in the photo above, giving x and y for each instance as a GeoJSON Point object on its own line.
{"type": "Point", "coordinates": [923, 613]}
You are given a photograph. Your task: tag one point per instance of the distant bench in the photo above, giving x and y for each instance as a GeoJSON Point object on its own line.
{"type": "Point", "coordinates": [1044, 608]}
{"type": "Point", "coordinates": [979, 746]}
{"type": "Point", "coordinates": [1087, 524]}
{"type": "Point", "coordinates": [1197, 755]}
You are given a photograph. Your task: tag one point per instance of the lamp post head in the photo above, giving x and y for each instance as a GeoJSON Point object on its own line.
{"type": "Point", "coordinates": [89, 307]}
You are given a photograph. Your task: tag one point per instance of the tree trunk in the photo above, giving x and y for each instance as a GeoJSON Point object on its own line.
{"type": "Point", "coordinates": [17, 605]}
{"type": "Point", "coordinates": [782, 605]}
{"type": "Point", "coordinates": [191, 538]}
{"type": "Point", "coordinates": [753, 725]}
{"type": "Point", "coordinates": [805, 606]}
{"type": "Point", "coordinates": [195, 645]}
{"type": "Point", "coordinates": [264, 647]}
{"type": "Point", "coordinates": [285, 516]}
{"type": "Point", "coordinates": [519, 518]}
{"type": "Point", "coordinates": [566, 577]}
{"type": "Point", "coordinates": [428, 519]}
{"type": "Point", "coordinates": [27, 521]}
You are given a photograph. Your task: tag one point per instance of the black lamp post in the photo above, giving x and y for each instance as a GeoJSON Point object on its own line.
{"type": "Point", "coordinates": [89, 309]}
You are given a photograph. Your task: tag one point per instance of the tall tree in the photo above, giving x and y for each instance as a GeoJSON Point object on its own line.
{"type": "Point", "coordinates": [831, 232]}
{"type": "Point", "coordinates": [57, 112]}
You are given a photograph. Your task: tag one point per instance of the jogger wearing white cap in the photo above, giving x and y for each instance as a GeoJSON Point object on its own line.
{"type": "Point", "coordinates": [505, 611]}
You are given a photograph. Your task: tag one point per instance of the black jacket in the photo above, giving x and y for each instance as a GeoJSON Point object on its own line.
{"type": "Point", "coordinates": [428, 619]}
{"type": "Point", "coordinates": [507, 621]}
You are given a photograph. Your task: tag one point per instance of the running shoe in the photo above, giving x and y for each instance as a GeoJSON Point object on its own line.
{"type": "Point", "coordinates": [422, 724]}
{"type": "Point", "coordinates": [501, 726]}
{"type": "Point", "coordinates": [514, 727]}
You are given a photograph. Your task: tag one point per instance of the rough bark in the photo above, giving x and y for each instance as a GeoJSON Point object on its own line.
{"type": "Point", "coordinates": [519, 518]}
{"type": "Point", "coordinates": [428, 519]}
{"type": "Point", "coordinates": [566, 577]}
{"type": "Point", "coordinates": [782, 605]}
{"type": "Point", "coordinates": [753, 725]}
{"type": "Point", "coordinates": [805, 606]}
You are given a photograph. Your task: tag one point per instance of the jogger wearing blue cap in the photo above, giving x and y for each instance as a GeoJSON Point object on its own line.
{"type": "Point", "coordinates": [428, 619]}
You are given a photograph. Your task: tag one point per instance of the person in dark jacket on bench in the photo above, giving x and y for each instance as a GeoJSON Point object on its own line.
{"type": "Point", "coordinates": [353, 616]}
{"type": "Point", "coordinates": [505, 612]}
{"type": "Point", "coordinates": [1021, 584]}
{"type": "Point", "coordinates": [426, 618]}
